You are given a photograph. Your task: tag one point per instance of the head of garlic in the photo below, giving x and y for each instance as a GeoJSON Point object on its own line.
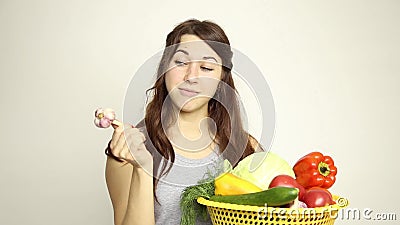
{"type": "Point", "coordinates": [104, 117]}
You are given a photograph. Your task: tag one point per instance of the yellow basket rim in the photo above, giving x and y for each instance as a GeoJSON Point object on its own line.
{"type": "Point", "coordinates": [252, 208]}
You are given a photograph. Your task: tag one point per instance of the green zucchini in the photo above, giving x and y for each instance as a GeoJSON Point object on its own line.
{"type": "Point", "coordinates": [276, 196]}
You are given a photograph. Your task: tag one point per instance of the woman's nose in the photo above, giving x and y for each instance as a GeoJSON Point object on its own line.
{"type": "Point", "coordinates": [192, 71]}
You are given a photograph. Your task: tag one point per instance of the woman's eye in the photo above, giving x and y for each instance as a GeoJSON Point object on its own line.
{"type": "Point", "coordinates": [180, 63]}
{"type": "Point", "coordinates": [206, 69]}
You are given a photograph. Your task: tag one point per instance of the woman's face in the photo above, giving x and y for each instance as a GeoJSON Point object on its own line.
{"type": "Point", "coordinates": [194, 73]}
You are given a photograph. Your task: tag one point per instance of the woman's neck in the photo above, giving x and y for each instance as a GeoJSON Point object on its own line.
{"type": "Point", "coordinates": [191, 132]}
{"type": "Point", "coordinates": [191, 125]}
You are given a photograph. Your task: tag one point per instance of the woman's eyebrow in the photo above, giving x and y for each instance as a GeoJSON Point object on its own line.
{"type": "Point", "coordinates": [187, 53]}
{"type": "Point", "coordinates": [210, 57]}
{"type": "Point", "coordinates": [183, 51]}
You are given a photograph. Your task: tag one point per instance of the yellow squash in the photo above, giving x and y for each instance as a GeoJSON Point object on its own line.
{"type": "Point", "coordinates": [229, 184]}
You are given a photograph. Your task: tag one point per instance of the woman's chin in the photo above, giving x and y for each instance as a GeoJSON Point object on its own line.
{"type": "Point", "coordinates": [194, 105]}
{"type": "Point", "coordinates": [191, 107]}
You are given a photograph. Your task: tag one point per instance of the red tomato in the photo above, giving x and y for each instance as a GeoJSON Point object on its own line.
{"type": "Point", "coordinates": [288, 181]}
{"type": "Point", "coordinates": [317, 197]}
{"type": "Point", "coordinates": [320, 188]}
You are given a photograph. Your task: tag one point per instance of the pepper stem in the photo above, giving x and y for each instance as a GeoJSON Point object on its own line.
{"type": "Point", "coordinates": [323, 169]}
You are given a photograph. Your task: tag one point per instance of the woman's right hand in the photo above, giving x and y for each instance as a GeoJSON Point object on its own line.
{"type": "Point", "coordinates": [127, 144]}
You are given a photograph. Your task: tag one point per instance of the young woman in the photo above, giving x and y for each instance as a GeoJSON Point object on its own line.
{"type": "Point", "coordinates": [192, 122]}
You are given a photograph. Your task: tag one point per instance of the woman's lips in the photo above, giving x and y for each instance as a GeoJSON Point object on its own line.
{"type": "Point", "coordinates": [187, 92]}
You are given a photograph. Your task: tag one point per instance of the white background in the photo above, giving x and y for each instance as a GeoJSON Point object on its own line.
{"type": "Point", "coordinates": [332, 66]}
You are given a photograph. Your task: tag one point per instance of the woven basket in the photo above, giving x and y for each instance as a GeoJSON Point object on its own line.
{"type": "Point", "coordinates": [233, 214]}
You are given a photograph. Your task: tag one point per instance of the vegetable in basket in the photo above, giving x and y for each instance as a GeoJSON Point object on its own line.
{"type": "Point", "coordinates": [318, 197]}
{"type": "Point", "coordinates": [188, 204]}
{"type": "Point", "coordinates": [287, 181]}
{"type": "Point", "coordinates": [277, 196]}
{"type": "Point", "coordinates": [224, 184]}
{"type": "Point", "coordinates": [315, 170]}
{"type": "Point", "coordinates": [229, 184]}
{"type": "Point", "coordinates": [205, 188]}
{"type": "Point", "coordinates": [261, 167]}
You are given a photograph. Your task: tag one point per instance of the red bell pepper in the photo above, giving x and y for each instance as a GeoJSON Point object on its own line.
{"type": "Point", "coordinates": [315, 170]}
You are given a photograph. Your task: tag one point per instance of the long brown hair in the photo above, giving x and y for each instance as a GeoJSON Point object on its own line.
{"type": "Point", "coordinates": [227, 118]}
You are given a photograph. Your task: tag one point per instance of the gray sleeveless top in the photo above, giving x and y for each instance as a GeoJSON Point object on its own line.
{"type": "Point", "coordinates": [184, 172]}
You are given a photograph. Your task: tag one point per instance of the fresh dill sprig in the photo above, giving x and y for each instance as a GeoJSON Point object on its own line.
{"type": "Point", "coordinates": [204, 188]}
{"type": "Point", "coordinates": [189, 206]}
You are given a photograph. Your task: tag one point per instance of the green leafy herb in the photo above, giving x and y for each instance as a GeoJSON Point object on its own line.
{"type": "Point", "coordinates": [189, 206]}
{"type": "Point", "coordinates": [205, 188]}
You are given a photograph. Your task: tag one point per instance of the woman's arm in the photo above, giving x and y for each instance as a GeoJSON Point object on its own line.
{"type": "Point", "coordinates": [130, 183]}
{"type": "Point", "coordinates": [118, 179]}
{"type": "Point", "coordinates": [131, 193]}
{"type": "Point", "coordinates": [140, 208]}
